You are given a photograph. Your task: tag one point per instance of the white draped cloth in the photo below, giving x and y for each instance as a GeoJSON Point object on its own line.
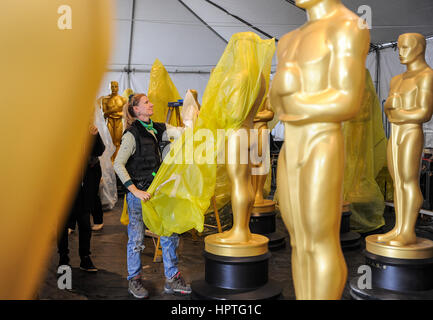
{"type": "Point", "coordinates": [108, 185]}
{"type": "Point", "coordinates": [190, 110]}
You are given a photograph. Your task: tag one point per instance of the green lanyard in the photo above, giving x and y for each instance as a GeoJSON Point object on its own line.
{"type": "Point", "coordinates": [148, 126]}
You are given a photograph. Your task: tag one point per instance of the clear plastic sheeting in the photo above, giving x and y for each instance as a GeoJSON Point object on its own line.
{"type": "Point", "coordinates": [223, 188]}
{"type": "Point", "coordinates": [108, 185]}
{"type": "Point", "coordinates": [162, 91]}
{"type": "Point", "coordinates": [365, 147]}
{"type": "Point", "coordinates": [181, 192]}
{"type": "Point", "coordinates": [190, 110]}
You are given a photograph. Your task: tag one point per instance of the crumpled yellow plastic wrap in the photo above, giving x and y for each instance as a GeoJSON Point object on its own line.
{"type": "Point", "coordinates": [162, 91]}
{"type": "Point", "coordinates": [127, 92]}
{"type": "Point", "coordinates": [365, 147]}
{"type": "Point", "coordinates": [181, 193]}
{"type": "Point", "coordinates": [384, 180]}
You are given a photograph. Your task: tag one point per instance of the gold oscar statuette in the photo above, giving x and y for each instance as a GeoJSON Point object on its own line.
{"type": "Point", "coordinates": [239, 241]}
{"type": "Point", "coordinates": [319, 83]}
{"type": "Point", "coordinates": [409, 105]}
{"type": "Point", "coordinates": [65, 45]}
{"type": "Point", "coordinates": [261, 123]}
{"type": "Point", "coordinates": [112, 106]}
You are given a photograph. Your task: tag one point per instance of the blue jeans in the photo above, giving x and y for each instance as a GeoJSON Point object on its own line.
{"type": "Point", "coordinates": [135, 242]}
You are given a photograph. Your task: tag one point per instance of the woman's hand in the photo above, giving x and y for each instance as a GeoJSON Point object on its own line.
{"type": "Point", "coordinates": [142, 195]}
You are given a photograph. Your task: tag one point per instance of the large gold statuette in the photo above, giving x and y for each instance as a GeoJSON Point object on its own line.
{"type": "Point", "coordinates": [318, 84]}
{"type": "Point", "coordinates": [239, 241]}
{"type": "Point", "coordinates": [65, 46]}
{"type": "Point", "coordinates": [409, 105]}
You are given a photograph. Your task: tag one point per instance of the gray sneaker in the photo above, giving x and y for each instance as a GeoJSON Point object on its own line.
{"type": "Point", "coordinates": [177, 285]}
{"type": "Point", "coordinates": [136, 288]}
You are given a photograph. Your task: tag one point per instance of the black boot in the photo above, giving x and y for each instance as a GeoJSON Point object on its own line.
{"type": "Point", "coordinates": [87, 264]}
{"type": "Point", "coordinates": [64, 260]}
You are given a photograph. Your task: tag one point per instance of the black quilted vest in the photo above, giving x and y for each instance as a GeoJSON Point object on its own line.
{"type": "Point", "coordinates": [147, 157]}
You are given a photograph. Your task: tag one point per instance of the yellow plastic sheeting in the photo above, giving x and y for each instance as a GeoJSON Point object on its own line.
{"type": "Point", "coordinates": [223, 188]}
{"type": "Point", "coordinates": [181, 192]}
{"type": "Point", "coordinates": [386, 184]}
{"type": "Point", "coordinates": [268, 181]}
{"type": "Point", "coordinates": [127, 92]}
{"type": "Point", "coordinates": [162, 91]}
{"type": "Point", "coordinates": [124, 218]}
{"type": "Point", "coordinates": [365, 146]}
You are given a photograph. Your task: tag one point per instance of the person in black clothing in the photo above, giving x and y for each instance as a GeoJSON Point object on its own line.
{"type": "Point", "coordinates": [80, 210]}
{"type": "Point", "coordinates": [92, 179]}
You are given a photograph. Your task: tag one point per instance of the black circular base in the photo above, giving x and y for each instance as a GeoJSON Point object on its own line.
{"type": "Point", "coordinates": [264, 224]}
{"type": "Point", "coordinates": [277, 241]}
{"type": "Point", "coordinates": [393, 278]}
{"type": "Point", "coordinates": [383, 294]}
{"type": "Point", "coordinates": [236, 278]}
{"type": "Point", "coordinates": [345, 221]}
{"type": "Point", "coordinates": [236, 272]}
{"type": "Point", "coordinates": [400, 274]}
{"type": "Point", "coordinates": [350, 240]}
{"type": "Point", "coordinates": [201, 290]}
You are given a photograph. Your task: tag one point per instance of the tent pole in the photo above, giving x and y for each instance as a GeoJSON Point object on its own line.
{"type": "Point", "coordinates": [384, 117]}
{"type": "Point", "coordinates": [377, 71]}
{"type": "Point", "coordinates": [394, 43]}
{"type": "Point", "coordinates": [131, 37]}
{"type": "Point", "coordinates": [149, 70]}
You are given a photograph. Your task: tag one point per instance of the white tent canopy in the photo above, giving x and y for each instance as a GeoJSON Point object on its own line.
{"type": "Point", "coordinates": [189, 36]}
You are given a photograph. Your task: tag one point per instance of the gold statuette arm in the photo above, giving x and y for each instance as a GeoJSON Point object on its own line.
{"type": "Point", "coordinates": [394, 100]}
{"type": "Point", "coordinates": [339, 101]}
{"type": "Point", "coordinates": [112, 111]}
{"type": "Point", "coordinates": [423, 110]}
{"type": "Point", "coordinates": [264, 116]}
{"type": "Point", "coordinates": [331, 105]}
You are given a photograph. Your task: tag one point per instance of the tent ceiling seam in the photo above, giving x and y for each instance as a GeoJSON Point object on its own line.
{"type": "Point", "coordinates": [292, 2]}
{"type": "Point", "coordinates": [202, 21]}
{"type": "Point", "coordinates": [242, 20]}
